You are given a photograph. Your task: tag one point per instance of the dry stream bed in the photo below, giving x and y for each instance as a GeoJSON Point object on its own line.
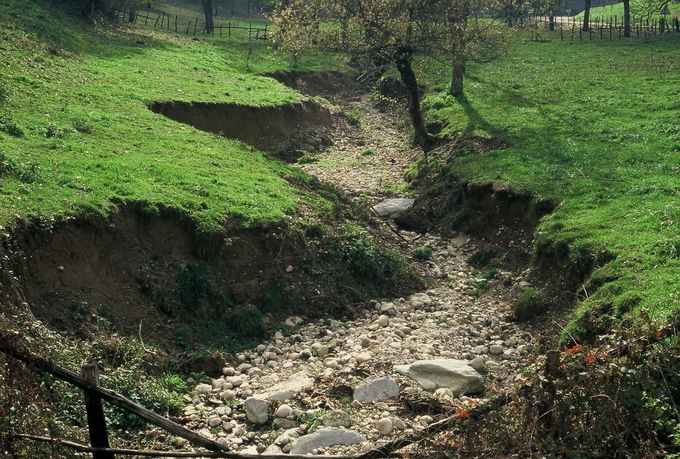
{"type": "Point", "coordinates": [289, 386]}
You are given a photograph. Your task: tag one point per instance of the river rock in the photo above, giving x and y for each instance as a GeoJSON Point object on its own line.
{"type": "Point", "coordinates": [203, 389]}
{"type": "Point", "coordinates": [376, 390]}
{"type": "Point", "coordinates": [283, 411]}
{"type": "Point", "coordinates": [393, 206]}
{"type": "Point", "coordinates": [385, 426]}
{"type": "Point", "coordinates": [419, 300]}
{"type": "Point", "coordinates": [457, 375]}
{"type": "Point", "coordinates": [325, 437]}
{"type": "Point", "coordinates": [257, 410]}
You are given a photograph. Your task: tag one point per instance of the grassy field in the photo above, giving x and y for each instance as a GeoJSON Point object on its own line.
{"type": "Point", "coordinates": [637, 9]}
{"type": "Point", "coordinates": [595, 125]}
{"type": "Point", "coordinates": [76, 134]}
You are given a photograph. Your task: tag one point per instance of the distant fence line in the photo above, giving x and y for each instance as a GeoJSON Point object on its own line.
{"type": "Point", "coordinates": [165, 22]}
{"type": "Point", "coordinates": [613, 28]}
{"type": "Point", "coordinates": [639, 27]}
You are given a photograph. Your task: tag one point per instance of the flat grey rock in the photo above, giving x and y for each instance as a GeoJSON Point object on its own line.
{"type": "Point", "coordinates": [376, 390]}
{"type": "Point", "coordinates": [325, 437]}
{"type": "Point", "coordinates": [393, 206]}
{"type": "Point", "coordinates": [257, 411]}
{"type": "Point", "coordinates": [456, 375]}
{"type": "Point", "coordinates": [296, 383]}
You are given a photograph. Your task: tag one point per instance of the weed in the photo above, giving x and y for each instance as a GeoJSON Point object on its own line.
{"type": "Point", "coordinates": [53, 130]}
{"type": "Point", "coordinates": [366, 259]}
{"type": "Point", "coordinates": [422, 253]}
{"type": "Point", "coordinates": [248, 323]}
{"type": "Point", "coordinates": [368, 152]}
{"type": "Point", "coordinates": [478, 288]}
{"type": "Point", "coordinates": [354, 116]}
{"type": "Point", "coordinates": [490, 273]}
{"type": "Point", "coordinates": [308, 159]}
{"type": "Point", "coordinates": [11, 127]}
{"type": "Point", "coordinates": [196, 293]}
{"type": "Point", "coordinates": [529, 304]}
{"type": "Point", "coordinates": [481, 258]}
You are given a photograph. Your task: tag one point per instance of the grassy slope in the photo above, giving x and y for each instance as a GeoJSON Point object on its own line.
{"type": "Point", "coordinates": [79, 94]}
{"type": "Point", "coordinates": [595, 125]}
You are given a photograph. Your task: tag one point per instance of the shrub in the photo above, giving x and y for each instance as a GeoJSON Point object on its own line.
{"type": "Point", "coordinates": [366, 259]}
{"type": "Point", "coordinates": [482, 257]}
{"type": "Point", "coordinates": [196, 292]}
{"type": "Point", "coordinates": [602, 404]}
{"type": "Point", "coordinates": [248, 323]}
{"type": "Point", "coordinates": [354, 117]}
{"type": "Point", "coordinates": [422, 253]}
{"type": "Point", "coordinates": [530, 303]}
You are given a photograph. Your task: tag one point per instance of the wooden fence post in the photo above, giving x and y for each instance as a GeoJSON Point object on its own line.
{"type": "Point", "coordinates": [96, 422]}
{"type": "Point", "coordinates": [552, 364]}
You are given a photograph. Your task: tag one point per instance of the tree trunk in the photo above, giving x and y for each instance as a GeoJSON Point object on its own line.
{"type": "Point", "coordinates": [133, 8]}
{"type": "Point", "coordinates": [208, 11]}
{"type": "Point", "coordinates": [626, 18]}
{"type": "Point", "coordinates": [458, 16]}
{"type": "Point", "coordinates": [586, 16]}
{"type": "Point", "coordinates": [90, 6]}
{"type": "Point", "coordinates": [404, 56]}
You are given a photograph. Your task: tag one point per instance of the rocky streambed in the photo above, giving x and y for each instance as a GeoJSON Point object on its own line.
{"type": "Point", "coordinates": [336, 387]}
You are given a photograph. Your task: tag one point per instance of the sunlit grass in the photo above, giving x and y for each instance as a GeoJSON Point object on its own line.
{"type": "Point", "coordinates": [596, 126]}
{"type": "Point", "coordinates": [88, 141]}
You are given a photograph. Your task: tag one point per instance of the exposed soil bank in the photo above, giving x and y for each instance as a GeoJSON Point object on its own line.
{"type": "Point", "coordinates": [329, 85]}
{"type": "Point", "coordinates": [123, 273]}
{"type": "Point", "coordinates": [265, 128]}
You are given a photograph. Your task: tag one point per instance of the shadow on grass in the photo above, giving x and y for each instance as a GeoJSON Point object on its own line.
{"type": "Point", "coordinates": [475, 120]}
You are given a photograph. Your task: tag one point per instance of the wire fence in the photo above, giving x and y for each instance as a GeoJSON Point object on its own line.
{"type": "Point", "coordinates": [605, 28]}
{"type": "Point", "coordinates": [188, 26]}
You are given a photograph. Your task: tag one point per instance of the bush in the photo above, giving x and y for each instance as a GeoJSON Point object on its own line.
{"type": "Point", "coordinates": [481, 258]}
{"type": "Point", "coordinates": [602, 404]}
{"type": "Point", "coordinates": [248, 323]}
{"type": "Point", "coordinates": [422, 253]}
{"type": "Point", "coordinates": [368, 260]}
{"type": "Point", "coordinates": [530, 303]}
{"type": "Point", "coordinates": [196, 293]}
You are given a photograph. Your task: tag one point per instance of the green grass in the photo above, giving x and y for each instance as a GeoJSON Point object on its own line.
{"type": "Point", "coordinates": [594, 125]}
{"type": "Point", "coordinates": [637, 8]}
{"type": "Point", "coordinates": [76, 134]}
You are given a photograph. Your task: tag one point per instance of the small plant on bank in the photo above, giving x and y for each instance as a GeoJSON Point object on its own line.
{"type": "Point", "coordinates": [491, 273]}
{"type": "Point", "coordinates": [530, 303]}
{"type": "Point", "coordinates": [422, 253]}
{"type": "Point", "coordinates": [354, 117]}
{"type": "Point", "coordinates": [308, 159]}
{"type": "Point", "coordinates": [11, 127]}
